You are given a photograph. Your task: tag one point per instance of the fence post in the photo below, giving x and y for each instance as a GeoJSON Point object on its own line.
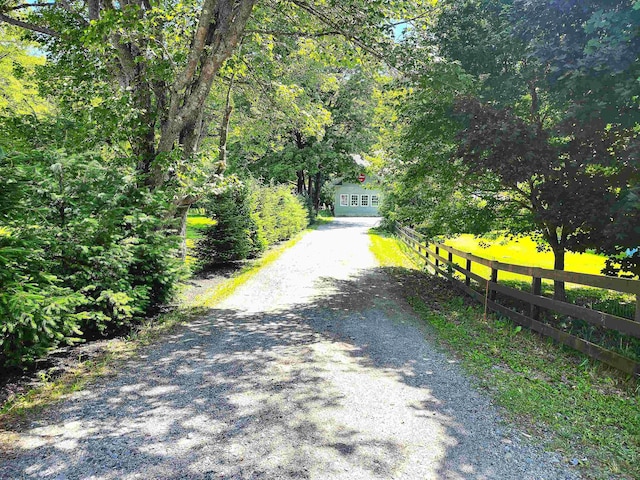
{"type": "Point", "coordinates": [494, 279]}
{"type": "Point", "coordinates": [449, 266]}
{"type": "Point", "coordinates": [467, 280]}
{"type": "Point", "coordinates": [437, 253]}
{"type": "Point", "coordinates": [536, 289]}
{"type": "Point", "coordinates": [426, 255]}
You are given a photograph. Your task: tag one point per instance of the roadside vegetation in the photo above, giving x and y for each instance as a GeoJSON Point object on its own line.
{"type": "Point", "coordinates": [99, 174]}
{"type": "Point", "coordinates": [525, 251]}
{"type": "Point", "coordinates": [248, 217]}
{"type": "Point", "coordinates": [575, 405]}
{"type": "Point", "coordinates": [528, 128]}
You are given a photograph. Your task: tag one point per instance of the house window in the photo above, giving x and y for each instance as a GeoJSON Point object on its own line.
{"type": "Point", "coordinates": [364, 201]}
{"type": "Point", "coordinates": [354, 200]}
{"type": "Point", "coordinates": [344, 200]}
{"type": "Point", "coordinates": [375, 200]}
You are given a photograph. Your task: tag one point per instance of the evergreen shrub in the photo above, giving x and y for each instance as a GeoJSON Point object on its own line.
{"type": "Point", "coordinates": [84, 252]}
{"type": "Point", "coordinates": [250, 218]}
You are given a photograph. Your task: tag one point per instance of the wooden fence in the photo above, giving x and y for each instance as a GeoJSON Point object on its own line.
{"type": "Point", "coordinates": [446, 267]}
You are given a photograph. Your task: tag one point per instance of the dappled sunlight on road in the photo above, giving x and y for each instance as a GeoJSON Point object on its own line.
{"type": "Point", "coordinates": [256, 394]}
{"type": "Point", "coordinates": [337, 383]}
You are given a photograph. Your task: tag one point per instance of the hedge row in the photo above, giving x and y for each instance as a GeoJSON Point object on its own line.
{"type": "Point", "coordinates": [249, 218]}
{"type": "Point", "coordinates": [83, 251]}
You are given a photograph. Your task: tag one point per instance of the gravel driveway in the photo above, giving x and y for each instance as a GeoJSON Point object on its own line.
{"type": "Point", "coordinates": [314, 369]}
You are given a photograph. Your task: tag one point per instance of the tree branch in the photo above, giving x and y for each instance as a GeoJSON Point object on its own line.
{"type": "Point", "coordinates": [29, 5]}
{"type": "Point", "coordinates": [94, 9]}
{"type": "Point", "coordinates": [67, 6]}
{"type": "Point", "coordinates": [197, 45]}
{"type": "Point", "coordinates": [283, 33]}
{"type": "Point", "coordinates": [28, 26]}
{"type": "Point", "coordinates": [408, 20]}
{"type": "Point", "coordinates": [220, 38]}
{"type": "Point", "coordinates": [329, 22]}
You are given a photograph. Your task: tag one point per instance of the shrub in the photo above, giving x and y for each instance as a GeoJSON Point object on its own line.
{"type": "Point", "coordinates": [234, 235]}
{"type": "Point", "coordinates": [83, 251]}
{"type": "Point", "coordinates": [36, 313]}
{"type": "Point", "coordinates": [291, 215]}
{"type": "Point", "coordinates": [250, 217]}
{"type": "Point", "coordinates": [278, 213]}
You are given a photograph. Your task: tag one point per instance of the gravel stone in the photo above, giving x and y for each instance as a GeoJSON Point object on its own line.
{"type": "Point", "coordinates": [314, 369]}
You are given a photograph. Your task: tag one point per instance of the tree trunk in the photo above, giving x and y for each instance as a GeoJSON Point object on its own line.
{"type": "Point", "coordinates": [535, 106]}
{"type": "Point", "coordinates": [300, 183]}
{"type": "Point", "coordinates": [224, 131]}
{"type": "Point", "coordinates": [316, 191]}
{"type": "Point", "coordinates": [218, 33]}
{"type": "Point", "coordinates": [558, 264]}
{"type": "Point", "coordinates": [310, 187]}
{"type": "Point", "coordinates": [190, 138]}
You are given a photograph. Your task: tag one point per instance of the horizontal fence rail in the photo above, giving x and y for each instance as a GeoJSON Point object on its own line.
{"type": "Point", "coordinates": [432, 254]}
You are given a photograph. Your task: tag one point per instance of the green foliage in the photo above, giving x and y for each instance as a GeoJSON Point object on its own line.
{"type": "Point", "coordinates": [546, 138]}
{"type": "Point", "coordinates": [278, 213]}
{"type": "Point", "coordinates": [18, 93]}
{"type": "Point", "coordinates": [311, 111]}
{"type": "Point", "coordinates": [560, 190]}
{"type": "Point", "coordinates": [308, 203]}
{"type": "Point", "coordinates": [249, 218]}
{"type": "Point", "coordinates": [422, 185]}
{"type": "Point", "coordinates": [84, 252]}
{"type": "Point", "coordinates": [590, 48]}
{"type": "Point", "coordinates": [234, 236]}
{"type": "Point", "coordinates": [36, 312]}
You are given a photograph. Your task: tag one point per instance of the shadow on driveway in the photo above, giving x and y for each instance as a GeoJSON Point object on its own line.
{"type": "Point", "coordinates": [343, 387]}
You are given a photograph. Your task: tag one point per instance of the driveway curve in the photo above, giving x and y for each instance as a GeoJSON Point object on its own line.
{"type": "Point", "coordinates": [313, 369]}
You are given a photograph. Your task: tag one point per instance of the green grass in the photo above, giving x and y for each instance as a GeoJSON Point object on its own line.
{"type": "Point", "coordinates": [196, 224]}
{"type": "Point", "coordinates": [523, 251]}
{"type": "Point", "coordinates": [387, 251]}
{"type": "Point", "coordinates": [583, 409]}
{"type": "Point", "coordinates": [321, 220]}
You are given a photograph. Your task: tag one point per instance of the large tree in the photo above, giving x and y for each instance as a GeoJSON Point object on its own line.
{"type": "Point", "coordinates": [591, 50]}
{"type": "Point", "coordinates": [556, 188]}
{"type": "Point", "coordinates": [145, 68]}
{"type": "Point", "coordinates": [534, 145]}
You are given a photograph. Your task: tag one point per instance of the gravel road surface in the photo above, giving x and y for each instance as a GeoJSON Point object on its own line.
{"type": "Point", "coordinates": [314, 369]}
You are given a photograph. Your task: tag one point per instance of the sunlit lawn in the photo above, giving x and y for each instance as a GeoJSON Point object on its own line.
{"type": "Point", "coordinates": [195, 225]}
{"type": "Point", "coordinates": [522, 251]}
